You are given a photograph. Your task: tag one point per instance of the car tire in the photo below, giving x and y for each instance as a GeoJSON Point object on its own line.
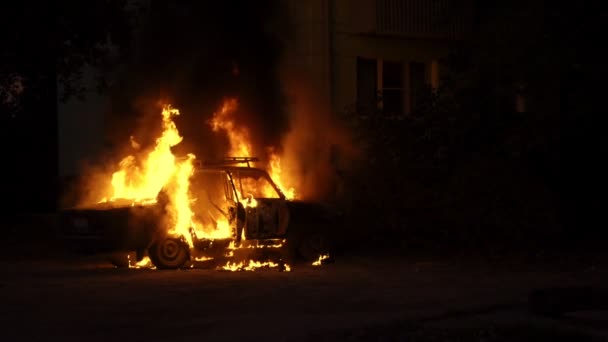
{"type": "Point", "coordinates": [169, 253]}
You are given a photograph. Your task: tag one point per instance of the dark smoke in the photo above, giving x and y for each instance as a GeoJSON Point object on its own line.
{"type": "Point", "coordinates": [194, 54]}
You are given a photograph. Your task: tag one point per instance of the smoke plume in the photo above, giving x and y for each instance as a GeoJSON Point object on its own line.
{"type": "Point", "coordinates": [194, 54]}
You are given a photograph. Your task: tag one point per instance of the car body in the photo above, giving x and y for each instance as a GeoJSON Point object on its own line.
{"type": "Point", "coordinates": [257, 212]}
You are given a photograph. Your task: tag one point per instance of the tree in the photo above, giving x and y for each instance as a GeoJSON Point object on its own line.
{"type": "Point", "coordinates": [488, 170]}
{"type": "Point", "coordinates": [60, 37]}
{"type": "Point", "coordinates": [46, 45]}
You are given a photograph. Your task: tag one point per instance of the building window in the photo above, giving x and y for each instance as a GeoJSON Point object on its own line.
{"type": "Point", "coordinates": [418, 84]}
{"type": "Point", "coordinates": [367, 86]}
{"type": "Point", "coordinates": [520, 99]}
{"type": "Point", "coordinates": [392, 90]}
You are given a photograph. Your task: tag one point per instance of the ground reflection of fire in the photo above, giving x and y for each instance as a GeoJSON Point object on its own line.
{"type": "Point", "coordinates": [142, 176]}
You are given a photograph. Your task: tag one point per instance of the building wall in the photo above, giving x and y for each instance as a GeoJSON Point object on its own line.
{"type": "Point", "coordinates": [307, 53]}
{"type": "Point", "coordinates": [332, 34]}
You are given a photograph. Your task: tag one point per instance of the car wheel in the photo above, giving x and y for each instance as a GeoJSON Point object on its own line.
{"type": "Point", "coordinates": [169, 253]}
{"type": "Point", "coordinates": [313, 245]}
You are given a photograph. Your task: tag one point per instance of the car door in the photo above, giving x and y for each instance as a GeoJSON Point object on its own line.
{"type": "Point", "coordinates": [214, 201]}
{"type": "Point", "coordinates": [267, 214]}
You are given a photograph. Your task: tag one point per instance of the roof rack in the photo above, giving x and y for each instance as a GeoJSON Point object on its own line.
{"type": "Point", "coordinates": [232, 160]}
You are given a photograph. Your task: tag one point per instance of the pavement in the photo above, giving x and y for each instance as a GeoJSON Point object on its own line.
{"type": "Point", "coordinates": [356, 298]}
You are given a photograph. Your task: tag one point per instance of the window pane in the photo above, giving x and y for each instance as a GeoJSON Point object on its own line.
{"type": "Point", "coordinates": [367, 88]}
{"type": "Point", "coordinates": [207, 189]}
{"type": "Point", "coordinates": [392, 75]}
{"type": "Point", "coordinates": [417, 82]}
{"type": "Point", "coordinates": [256, 185]}
{"type": "Point", "coordinates": [392, 100]}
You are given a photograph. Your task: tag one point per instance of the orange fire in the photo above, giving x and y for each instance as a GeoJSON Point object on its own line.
{"type": "Point", "coordinates": [319, 261]}
{"type": "Point", "coordinates": [141, 182]}
{"type": "Point", "coordinates": [144, 263]}
{"type": "Point", "coordinates": [279, 178]}
{"type": "Point", "coordinates": [180, 205]}
{"type": "Point", "coordinates": [141, 177]}
{"type": "Point", "coordinates": [240, 145]}
{"type": "Point", "coordinates": [161, 170]}
{"type": "Point", "coordinates": [238, 137]}
{"type": "Point", "coordinates": [252, 266]}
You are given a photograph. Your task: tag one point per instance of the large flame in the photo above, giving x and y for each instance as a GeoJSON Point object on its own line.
{"type": "Point", "coordinates": [241, 146]}
{"type": "Point", "coordinates": [238, 136]}
{"type": "Point", "coordinates": [141, 182]}
{"type": "Point", "coordinates": [182, 213]}
{"type": "Point", "coordinates": [279, 178]}
{"type": "Point", "coordinates": [141, 177]}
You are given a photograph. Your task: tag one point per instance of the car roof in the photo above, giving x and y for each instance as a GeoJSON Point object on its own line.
{"type": "Point", "coordinates": [229, 168]}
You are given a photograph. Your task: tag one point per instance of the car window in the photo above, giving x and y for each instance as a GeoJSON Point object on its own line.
{"type": "Point", "coordinates": [208, 189]}
{"type": "Point", "coordinates": [253, 183]}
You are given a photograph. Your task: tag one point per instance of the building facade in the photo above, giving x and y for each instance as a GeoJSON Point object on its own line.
{"type": "Point", "coordinates": [375, 54]}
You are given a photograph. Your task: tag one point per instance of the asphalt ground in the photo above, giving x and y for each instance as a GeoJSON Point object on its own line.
{"type": "Point", "coordinates": [355, 298]}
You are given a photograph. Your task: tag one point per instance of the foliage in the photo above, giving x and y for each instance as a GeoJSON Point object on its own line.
{"type": "Point", "coordinates": [465, 168]}
{"type": "Point", "coordinates": [44, 39]}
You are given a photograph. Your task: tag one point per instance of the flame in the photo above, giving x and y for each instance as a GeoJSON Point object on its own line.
{"type": "Point", "coordinates": [222, 230]}
{"type": "Point", "coordinates": [142, 183]}
{"type": "Point", "coordinates": [240, 146]}
{"type": "Point", "coordinates": [279, 178]}
{"type": "Point", "coordinates": [181, 201]}
{"type": "Point", "coordinates": [141, 177]}
{"type": "Point", "coordinates": [252, 266]}
{"type": "Point", "coordinates": [248, 201]}
{"type": "Point", "coordinates": [238, 137]}
{"type": "Point", "coordinates": [143, 263]}
{"type": "Point", "coordinates": [319, 261]}
{"type": "Point", "coordinates": [275, 244]}
{"type": "Point", "coordinates": [203, 258]}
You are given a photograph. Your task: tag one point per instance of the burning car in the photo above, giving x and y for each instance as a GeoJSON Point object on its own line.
{"type": "Point", "coordinates": [235, 212]}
